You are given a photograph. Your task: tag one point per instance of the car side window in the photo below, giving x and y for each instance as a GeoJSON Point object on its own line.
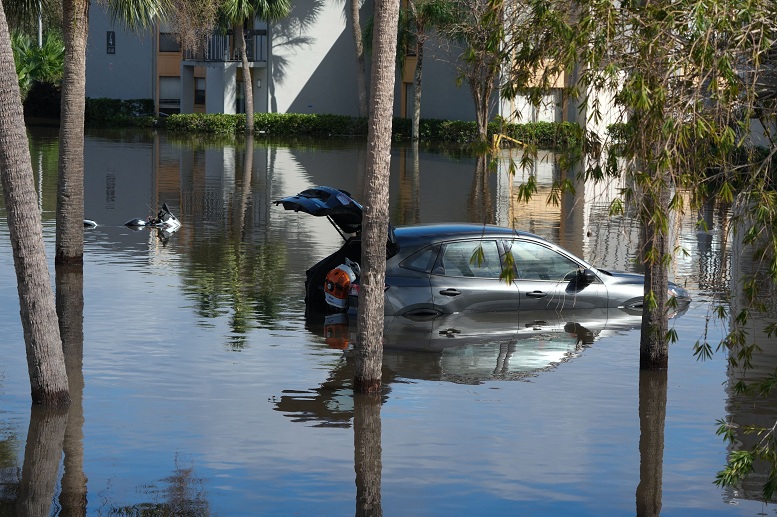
{"type": "Point", "coordinates": [536, 262]}
{"type": "Point", "coordinates": [421, 260]}
{"type": "Point", "coordinates": [457, 259]}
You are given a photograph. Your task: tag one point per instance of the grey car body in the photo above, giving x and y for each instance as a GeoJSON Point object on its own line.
{"type": "Point", "coordinates": [436, 269]}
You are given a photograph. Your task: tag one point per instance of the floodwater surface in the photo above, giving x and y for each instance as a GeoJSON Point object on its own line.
{"type": "Point", "coordinates": [199, 388]}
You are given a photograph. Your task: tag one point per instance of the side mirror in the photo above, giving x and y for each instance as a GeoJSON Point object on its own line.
{"type": "Point", "coordinates": [586, 276]}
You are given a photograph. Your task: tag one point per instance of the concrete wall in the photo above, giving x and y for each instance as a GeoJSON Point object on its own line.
{"type": "Point", "coordinates": [441, 98]}
{"type": "Point", "coordinates": [312, 60]}
{"type": "Point", "coordinates": [126, 74]}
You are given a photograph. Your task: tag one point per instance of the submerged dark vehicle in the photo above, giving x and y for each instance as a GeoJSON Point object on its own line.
{"type": "Point", "coordinates": [436, 269]}
{"type": "Point", "coordinates": [164, 220]}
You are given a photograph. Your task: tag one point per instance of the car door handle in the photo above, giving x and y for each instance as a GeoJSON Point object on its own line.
{"type": "Point", "coordinates": [536, 294]}
{"type": "Point", "coordinates": [450, 292]}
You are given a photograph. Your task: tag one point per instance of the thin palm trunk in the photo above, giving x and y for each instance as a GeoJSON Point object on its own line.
{"type": "Point", "coordinates": [369, 351]}
{"type": "Point", "coordinates": [361, 74]}
{"type": "Point", "coordinates": [45, 360]}
{"type": "Point", "coordinates": [70, 185]}
{"type": "Point", "coordinates": [416, 129]}
{"type": "Point", "coordinates": [248, 87]}
{"type": "Point", "coordinates": [654, 345]}
{"type": "Point", "coordinates": [420, 38]}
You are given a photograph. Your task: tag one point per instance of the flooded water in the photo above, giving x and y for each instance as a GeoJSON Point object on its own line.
{"type": "Point", "coordinates": [200, 389]}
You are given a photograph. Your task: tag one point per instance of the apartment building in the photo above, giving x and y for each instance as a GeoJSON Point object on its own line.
{"type": "Point", "coordinates": [302, 64]}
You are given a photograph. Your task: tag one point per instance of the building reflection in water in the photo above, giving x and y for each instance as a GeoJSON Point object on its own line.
{"type": "Point", "coordinates": [752, 408]}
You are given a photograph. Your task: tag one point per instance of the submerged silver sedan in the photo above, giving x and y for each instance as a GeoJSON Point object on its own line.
{"type": "Point", "coordinates": [437, 269]}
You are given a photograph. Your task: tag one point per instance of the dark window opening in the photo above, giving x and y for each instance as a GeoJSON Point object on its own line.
{"type": "Point", "coordinates": [199, 90]}
{"type": "Point", "coordinates": [168, 42]}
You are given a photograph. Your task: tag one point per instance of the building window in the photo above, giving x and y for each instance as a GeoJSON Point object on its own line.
{"type": "Point", "coordinates": [170, 95]}
{"type": "Point", "coordinates": [199, 90]}
{"type": "Point", "coordinates": [168, 42]}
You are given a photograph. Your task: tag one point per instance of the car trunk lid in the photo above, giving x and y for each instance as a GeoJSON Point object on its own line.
{"type": "Point", "coordinates": [338, 207]}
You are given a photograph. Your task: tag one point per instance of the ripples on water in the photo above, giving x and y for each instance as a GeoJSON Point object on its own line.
{"type": "Point", "coordinates": [205, 388]}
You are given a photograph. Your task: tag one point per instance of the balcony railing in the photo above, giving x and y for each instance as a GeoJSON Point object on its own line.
{"type": "Point", "coordinates": [222, 48]}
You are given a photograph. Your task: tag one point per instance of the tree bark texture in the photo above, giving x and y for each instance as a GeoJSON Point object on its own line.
{"type": "Point", "coordinates": [367, 454]}
{"type": "Point", "coordinates": [45, 361]}
{"type": "Point", "coordinates": [70, 309]}
{"type": "Point", "coordinates": [369, 349]}
{"type": "Point", "coordinates": [361, 74]}
{"type": "Point", "coordinates": [248, 85]}
{"type": "Point", "coordinates": [70, 176]}
{"type": "Point", "coordinates": [653, 344]}
{"type": "Point", "coordinates": [652, 418]}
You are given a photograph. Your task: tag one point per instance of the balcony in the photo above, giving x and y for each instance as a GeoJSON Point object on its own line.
{"type": "Point", "coordinates": [221, 48]}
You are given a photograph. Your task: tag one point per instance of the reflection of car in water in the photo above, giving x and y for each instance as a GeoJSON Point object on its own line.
{"type": "Point", "coordinates": [468, 348]}
{"type": "Point", "coordinates": [451, 268]}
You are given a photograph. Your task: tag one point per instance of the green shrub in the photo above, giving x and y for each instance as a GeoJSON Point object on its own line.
{"type": "Point", "coordinates": [546, 135]}
{"type": "Point", "coordinates": [117, 112]}
{"type": "Point", "coordinates": [209, 123]}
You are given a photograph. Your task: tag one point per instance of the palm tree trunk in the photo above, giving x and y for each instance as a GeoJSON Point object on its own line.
{"type": "Point", "coordinates": [70, 187]}
{"type": "Point", "coordinates": [419, 65]}
{"type": "Point", "coordinates": [248, 87]}
{"type": "Point", "coordinates": [361, 75]}
{"type": "Point", "coordinates": [653, 344]}
{"type": "Point", "coordinates": [45, 360]}
{"type": "Point", "coordinates": [369, 350]}
{"type": "Point", "coordinates": [420, 39]}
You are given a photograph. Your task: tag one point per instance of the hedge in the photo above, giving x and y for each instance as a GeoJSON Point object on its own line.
{"type": "Point", "coordinates": [546, 135]}
{"type": "Point", "coordinates": [117, 112]}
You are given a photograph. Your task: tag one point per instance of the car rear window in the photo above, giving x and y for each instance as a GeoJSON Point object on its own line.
{"type": "Point", "coordinates": [422, 260]}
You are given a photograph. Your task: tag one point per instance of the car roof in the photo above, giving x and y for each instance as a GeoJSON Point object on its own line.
{"type": "Point", "coordinates": [450, 231]}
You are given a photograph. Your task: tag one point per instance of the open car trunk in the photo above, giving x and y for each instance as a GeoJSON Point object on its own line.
{"type": "Point", "coordinates": [345, 214]}
{"type": "Point", "coordinates": [315, 302]}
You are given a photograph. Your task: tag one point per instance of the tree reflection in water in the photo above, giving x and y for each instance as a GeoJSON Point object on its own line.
{"type": "Point", "coordinates": [652, 416]}
{"type": "Point", "coordinates": [10, 472]}
{"type": "Point", "coordinates": [236, 268]}
{"type": "Point", "coordinates": [183, 495]}
{"type": "Point", "coordinates": [70, 310]}
{"type": "Point", "coordinates": [41, 460]}
{"type": "Point", "coordinates": [367, 453]}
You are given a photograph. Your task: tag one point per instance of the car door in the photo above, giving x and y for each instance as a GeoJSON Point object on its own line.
{"type": "Point", "coordinates": [548, 279]}
{"type": "Point", "coordinates": [465, 278]}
